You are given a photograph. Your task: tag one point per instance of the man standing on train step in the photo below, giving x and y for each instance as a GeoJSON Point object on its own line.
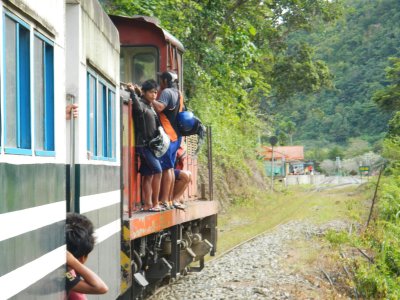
{"type": "Point", "coordinates": [168, 106]}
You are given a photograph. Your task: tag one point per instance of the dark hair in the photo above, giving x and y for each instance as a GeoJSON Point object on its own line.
{"type": "Point", "coordinates": [79, 235]}
{"type": "Point", "coordinates": [149, 85]}
{"type": "Point", "coordinates": [171, 77]}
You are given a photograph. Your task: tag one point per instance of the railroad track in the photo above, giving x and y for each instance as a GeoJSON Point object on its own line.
{"type": "Point", "coordinates": [216, 259]}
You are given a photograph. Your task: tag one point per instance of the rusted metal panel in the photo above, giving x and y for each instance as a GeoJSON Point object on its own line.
{"type": "Point", "coordinates": [190, 164]}
{"type": "Point", "coordinates": [144, 223]}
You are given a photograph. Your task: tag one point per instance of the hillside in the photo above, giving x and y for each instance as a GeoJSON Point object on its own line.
{"type": "Point", "coordinates": [356, 50]}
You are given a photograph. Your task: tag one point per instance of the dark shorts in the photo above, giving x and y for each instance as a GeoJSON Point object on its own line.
{"type": "Point", "coordinates": [149, 164]}
{"type": "Point", "coordinates": [177, 172]}
{"type": "Point", "coordinates": [168, 159]}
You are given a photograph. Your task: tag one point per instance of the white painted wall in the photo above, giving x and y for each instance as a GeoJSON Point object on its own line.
{"type": "Point", "coordinates": [304, 179]}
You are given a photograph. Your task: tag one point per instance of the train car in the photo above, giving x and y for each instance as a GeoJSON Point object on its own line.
{"type": "Point", "coordinates": [59, 52]}
{"type": "Point", "coordinates": [32, 149]}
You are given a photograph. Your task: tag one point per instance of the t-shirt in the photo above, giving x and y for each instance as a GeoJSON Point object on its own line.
{"type": "Point", "coordinates": [72, 279]}
{"type": "Point", "coordinates": [76, 296]}
{"type": "Point", "coordinates": [170, 97]}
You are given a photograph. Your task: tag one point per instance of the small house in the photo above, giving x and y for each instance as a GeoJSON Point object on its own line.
{"type": "Point", "coordinates": [284, 160]}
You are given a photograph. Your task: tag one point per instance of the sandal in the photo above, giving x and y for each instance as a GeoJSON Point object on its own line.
{"type": "Point", "coordinates": [179, 205]}
{"type": "Point", "coordinates": [165, 205]}
{"type": "Point", "coordinates": [143, 209]}
{"type": "Point", "coordinates": [155, 209]}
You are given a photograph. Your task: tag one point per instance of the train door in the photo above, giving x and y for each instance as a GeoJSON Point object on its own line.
{"type": "Point", "coordinates": [137, 65]}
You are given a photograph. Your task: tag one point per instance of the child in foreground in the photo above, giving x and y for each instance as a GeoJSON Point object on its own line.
{"type": "Point", "coordinates": [80, 280]}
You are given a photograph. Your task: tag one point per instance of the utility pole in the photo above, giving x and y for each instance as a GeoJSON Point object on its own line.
{"type": "Point", "coordinates": [273, 140]}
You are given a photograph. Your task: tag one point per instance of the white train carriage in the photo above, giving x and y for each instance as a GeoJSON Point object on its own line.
{"type": "Point", "coordinates": [32, 149]}
{"type": "Point", "coordinates": [55, 52]}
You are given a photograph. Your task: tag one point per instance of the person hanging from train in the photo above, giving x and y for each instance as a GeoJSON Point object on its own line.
{"type": "Point", "coordinates": [71, 110]}
{"type": "Point", "coordinates": [80, 241]}
{"type": "Point", "coordinates": [182, 177]}
{"type": "Point", "coordinates": [168, 106]}
{"type": "Point", "coordinates": [146, 129]}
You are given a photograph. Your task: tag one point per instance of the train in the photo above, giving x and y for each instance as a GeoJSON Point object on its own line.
{"type": "Point", "coordinates": [61, 52]}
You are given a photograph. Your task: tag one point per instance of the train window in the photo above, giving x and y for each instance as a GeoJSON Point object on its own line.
{"type": "Point", "coordinates": [101, 127]}
{"type": "Point", "coordinates": [18, 91]}
{"type": "Point", "coordinates": [44, 95]}
{"type": "Point", "coordinates": [143, 67]}
{"type": "Point", "coordinates": [180, 70]}
{"type": "Point", "coordinates": [16, 47]}
{"type": "Point", "coordinates": [122, 69]}
{"type": "Point", "coordinates": [139, 64]}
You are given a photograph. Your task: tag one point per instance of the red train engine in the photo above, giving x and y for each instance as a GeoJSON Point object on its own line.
{"type": "Point", "coordinates": [156, 246]}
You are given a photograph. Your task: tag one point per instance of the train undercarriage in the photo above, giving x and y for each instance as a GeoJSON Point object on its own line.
{"type": "Point", "coordinates": [162, 257]}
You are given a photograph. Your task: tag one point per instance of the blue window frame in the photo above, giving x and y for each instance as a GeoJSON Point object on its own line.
{"type": "Point", "coordinates": [101, 127]}
{"type": "Point", "coordinates": [44, 95]}
{"type": "Point", "coordinates": [17, 93]}
{"type": "Point", "coordinates": [111, 129]}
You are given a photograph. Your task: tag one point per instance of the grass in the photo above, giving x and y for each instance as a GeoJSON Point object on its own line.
{"type": "Point", "coordinates": [249, 217]}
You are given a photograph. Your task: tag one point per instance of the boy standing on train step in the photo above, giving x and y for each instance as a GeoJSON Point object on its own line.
{"type": "Point", "coordinates": [168, 106]}
{"type": "Point", "coordinates": [145, 129]}
{"type": "Point", "coordinates": [80, 280]}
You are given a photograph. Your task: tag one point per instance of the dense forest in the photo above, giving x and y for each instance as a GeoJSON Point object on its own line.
{"type": "Point", "coordinates": [356, 49]}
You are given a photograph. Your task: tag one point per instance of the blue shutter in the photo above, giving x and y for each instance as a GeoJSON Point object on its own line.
{"type": "Point", "coordinates": [23, 88]}
{"type": "Point", "coordinates": [49, 97]}
{"type": "Point", "coordinates": [17, 131]}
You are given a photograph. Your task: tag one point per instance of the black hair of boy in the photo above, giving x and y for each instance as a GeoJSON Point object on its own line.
{"type": "Point", "coordinates": [149, 85]}
{"type": "Point", "coordinates": [171, 78]}
{"type": "Point", "coordinates": [79, 235]}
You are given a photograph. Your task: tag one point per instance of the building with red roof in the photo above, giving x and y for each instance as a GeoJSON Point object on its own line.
{"type": "Point", "coordinates": [286, 153]}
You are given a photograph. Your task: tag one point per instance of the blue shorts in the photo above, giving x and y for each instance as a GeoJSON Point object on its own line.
{"type": "Point", "coordinates": [177, 172]}
{"type": "Point", "coordinates": [149, 164]}
{"type": "Point", "coordinates": [168, 159]}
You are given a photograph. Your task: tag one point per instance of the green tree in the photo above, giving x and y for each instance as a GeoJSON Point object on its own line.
{"type": "Point", "coordinates": [287, 128]}
{"type": "Point", "coordinates": [394, 125]}
{"type": "Point", "coordinates": [388, 98]}
{"type": "Point", "coordinates": [335, 152]}
{"type": "Point", "coordinates": [355, 48]}
{"type": "Point", "coordinates": [356, 147]}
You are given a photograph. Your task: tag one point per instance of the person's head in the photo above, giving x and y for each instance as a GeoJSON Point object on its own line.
{"type": "Point", "coordinates": [150, 89]}
{"type": "Point", "coordinates": [168, 79]}
{"type": "Point", "coordinates": [79, 235]}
